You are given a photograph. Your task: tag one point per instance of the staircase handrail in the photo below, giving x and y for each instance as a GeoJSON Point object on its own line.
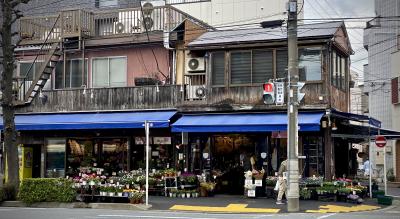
{"type": "Point", "coordinates": [38, 53]}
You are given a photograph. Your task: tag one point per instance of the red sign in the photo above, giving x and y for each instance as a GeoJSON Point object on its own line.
{"type": "Point", "coordinates": [380, 141]}
{"type": "Point", "coordinates": [269, 87]}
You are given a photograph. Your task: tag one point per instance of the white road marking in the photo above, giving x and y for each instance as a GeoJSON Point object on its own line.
{"type": "Point", "coordinates": [151, 216]}
{"type": "Point", "coordinates": [325, 216]}
{"type": "Point", "coordinates": [393, 212]}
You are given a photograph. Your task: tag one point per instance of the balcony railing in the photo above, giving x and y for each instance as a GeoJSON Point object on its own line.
{"type": "Point", "coordinates": [86, 24]}
{"type": "Point", "coordinates": [159, 97]}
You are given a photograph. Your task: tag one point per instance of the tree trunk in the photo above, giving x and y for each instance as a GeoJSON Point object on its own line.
{"type": "Point", "coordinates": [10, 145]}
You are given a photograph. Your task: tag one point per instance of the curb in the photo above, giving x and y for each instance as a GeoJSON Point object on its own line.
{"type": "Point", "coordinates": [111, 206]}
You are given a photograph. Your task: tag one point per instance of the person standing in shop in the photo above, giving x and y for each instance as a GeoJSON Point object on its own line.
{"type": "Point", "coordinates": [282, 174]}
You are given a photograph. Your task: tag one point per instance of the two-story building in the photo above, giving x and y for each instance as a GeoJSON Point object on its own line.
{"type": "Point", "coordinates": [88, 80]}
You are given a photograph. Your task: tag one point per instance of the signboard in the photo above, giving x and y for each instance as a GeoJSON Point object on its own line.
{"type": "Point", "coordinates": [162, 140]}
{"type": "Point", "coordinates": [258, 182]}
{"type": "Point", "coordinates": [280, 93]}
{"type": "Point", "coordinates": [380, 141]}
{"type": "Point", "coordinates": [251, 193]}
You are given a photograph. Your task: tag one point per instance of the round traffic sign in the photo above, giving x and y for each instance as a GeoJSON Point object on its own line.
{"type": "Point", "coordinates": [380, 141]}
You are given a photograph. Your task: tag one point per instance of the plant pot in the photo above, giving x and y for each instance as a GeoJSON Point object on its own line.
{"type": "Point", "coordinates": [203, 192]}
{"type": "Point", "coordinates": [103, 193]}
{"type": "Point", "coordinates": [111, 193]}
{"type": "Point", "coordinates": [120, 194]}
{"type": "Point", "coordinates": [125, 194]}
{"type": "Point", "coordinates": [183, 195]}
{"type": "Point", "coordinates": [187, 195]}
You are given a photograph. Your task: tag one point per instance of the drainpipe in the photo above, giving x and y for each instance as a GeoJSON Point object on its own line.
{"type": "Point", "coordinates": [167, 46]}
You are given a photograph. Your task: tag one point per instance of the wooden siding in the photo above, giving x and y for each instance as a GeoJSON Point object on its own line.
{"type": "Point", "coordinates": [127, 98]}
{"type": "Point", "coordinates": [192, 31]}
{"type": "Point", "coordinates": [339, 99]}
{"type": "Point", "coordinates": [250, 98]}
{"type": "Point", "coordinates": [167, 97]}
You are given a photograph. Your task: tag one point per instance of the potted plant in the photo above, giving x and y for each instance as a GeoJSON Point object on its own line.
{"type": "Point", "coordinates": [195, 194]}
{"type": "Point", "coordinates": [119, 191]}
{"type": "Point", "coordinates": [188, 193]}
{"type": "Point", "coordinates": [103, 191]}
{"type": "Point", "coordinates": [172, 192]}
{"type": "Point", "coordinates": [183, 194]}
{"type": "Point", "coordinates": [111, 191]}
{"type": "Point", "coordinates": [136, 197]}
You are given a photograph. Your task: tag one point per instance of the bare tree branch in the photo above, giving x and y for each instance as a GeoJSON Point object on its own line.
{"type": "Point", "coordinates": [17, 2]}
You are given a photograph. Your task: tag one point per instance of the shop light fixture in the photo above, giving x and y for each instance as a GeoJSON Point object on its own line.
{"type": "Point", "coordinates": [334, 127]}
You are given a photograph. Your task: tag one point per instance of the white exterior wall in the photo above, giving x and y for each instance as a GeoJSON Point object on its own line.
{"type": "Point", "coordinates": [355, 95]}
{"type": "Point", "coordinates": [233, 12]}
{"type": "Point", "coordinates": [381, 41]}
{"type": "Point", "coordinates": [395, 62]}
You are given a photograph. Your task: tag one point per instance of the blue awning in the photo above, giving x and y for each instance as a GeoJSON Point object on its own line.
{"type": "Point", "coordinates": [246, 122]}
{"type": "Point", "coordinates": [356, 117]}
{"type": "Point", "coordinates": [103, 120]}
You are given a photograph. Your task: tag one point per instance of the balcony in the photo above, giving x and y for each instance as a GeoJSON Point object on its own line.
{"type": "Point", "coordinates": [99, 24]}
{"type": "Point", "coordinates": [163, 97]}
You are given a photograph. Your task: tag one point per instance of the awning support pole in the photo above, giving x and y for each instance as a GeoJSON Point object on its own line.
{"type": "Point", "coordinates": [147, 130]}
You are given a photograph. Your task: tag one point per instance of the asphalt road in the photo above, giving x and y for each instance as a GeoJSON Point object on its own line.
{"type": "Point", "coordinates": [60, 213]}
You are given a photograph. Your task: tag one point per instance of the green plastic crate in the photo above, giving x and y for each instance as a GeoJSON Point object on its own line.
{"type": "Point", "coordinates": [384, 200]}
{"type": "Point", "coordinates": [375, 193]}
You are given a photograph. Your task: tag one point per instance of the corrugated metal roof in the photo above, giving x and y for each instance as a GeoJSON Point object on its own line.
{"type": "Point", "coordinates": [218, 37]}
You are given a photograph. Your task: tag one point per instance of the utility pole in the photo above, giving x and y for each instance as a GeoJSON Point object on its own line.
{"type": "Point", "coordinates": [292, 144]}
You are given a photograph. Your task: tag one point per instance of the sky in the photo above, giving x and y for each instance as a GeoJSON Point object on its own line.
{"type": "Point", "coordinates": [345, 8]}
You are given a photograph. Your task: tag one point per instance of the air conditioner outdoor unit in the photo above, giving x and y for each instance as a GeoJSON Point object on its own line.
{"type": "Point", "coordinates": [153, 16]}
{"type": "Point", "coordinates": [195, 92]}
{"type": "Point", "coordinates": [128, 22]}
{"type": "Point", "coordinates": [196, 64]}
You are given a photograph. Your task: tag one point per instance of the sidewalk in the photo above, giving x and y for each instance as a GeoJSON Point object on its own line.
{"type": "Point", "coordinates": [240, 204]}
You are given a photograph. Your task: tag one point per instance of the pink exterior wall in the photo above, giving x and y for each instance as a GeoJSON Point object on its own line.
{"type": "Point", "coordinates": [140, 60]}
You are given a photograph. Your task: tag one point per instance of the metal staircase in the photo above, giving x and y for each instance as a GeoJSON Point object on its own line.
{"type": "Point", "coordinates": [40, 70]}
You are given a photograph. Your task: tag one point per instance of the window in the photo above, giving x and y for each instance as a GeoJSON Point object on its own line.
{"type": "Point", "coordinates": [395, 90]}
{"type": "Point", "coordinates": [33, 72]}
{"type": "Point", "coordinates": [262, 66]}
{"type": "Point", "coordinates": [343, 74]}
{"type": "Point", "coordinates": [218, 68]}
{"type": "Point", "coordinates": [281, 63]}
{"type": "Point", "coordinates": [55, 157]}
{"type": "Point", "coordinates": [253, 66]}
{"type": "Point", "coordinates": [74, 77]}
{"type": "Point", "coordinates": [310, 64]}
{"type": "Point", "coordinates": [109, 72]}
{"type": "Point", "coordinates": [241, 67]}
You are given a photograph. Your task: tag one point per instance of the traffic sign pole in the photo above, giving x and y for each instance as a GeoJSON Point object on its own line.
{"type": "Point", "coordinates": [380, 141]}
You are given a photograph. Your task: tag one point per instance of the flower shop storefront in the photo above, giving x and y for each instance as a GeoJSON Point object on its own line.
{"type": "Point", "coordinates": [222, 147]}
{"type": "Point", "coordinates": [115, 142]}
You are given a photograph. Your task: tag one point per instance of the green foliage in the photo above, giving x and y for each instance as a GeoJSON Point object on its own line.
{"type": "Point", "coordinates": [46, 190]}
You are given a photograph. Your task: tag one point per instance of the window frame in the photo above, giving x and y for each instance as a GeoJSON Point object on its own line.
{"type": "Point", "coordinates": [108, 67]}
{"type": "Point", "coordinates": [321, 62]}
{"type": "Point", "coordinates": [251, 66]}
{"type": "Point", "coordinates": [28, 61]}
{"type": "Point", "coordinates": [64, 76]}
{"type": "Point", "coordinates": [230, 68]}
{"type": "Point", "coordinates": [212, 72]}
